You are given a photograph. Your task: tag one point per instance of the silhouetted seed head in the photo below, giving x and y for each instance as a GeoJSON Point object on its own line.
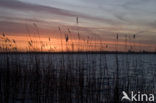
{"type": "Point", "coordinates": [14, 41]}
{"type": "Point", "coordinates": [117, 36]}
{"type": "Point", "coordinates": [3, 35]}
{"type": "Point", "coordinates": [7, 40]}
{"type": "Point", "coordinates": [29, 42]}
{"type": "Point", "coordinates": [88, 37]}
{"type": "Point", "coordinates": [59, 29]}
{"type": "Point", "coordinates": [134, 36]}
{"type": "Point", "coordinates": [69, 30]}
{"type": "Point", "coordinates": [49, 38]}
{"type": "Point", "coordinates": [66, 37]}
{"type": "Point", "coordinates": [77, 19]}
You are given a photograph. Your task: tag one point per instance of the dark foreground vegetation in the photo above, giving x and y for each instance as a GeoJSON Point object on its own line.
{"type": "Point", "coordinates": [74, 78]}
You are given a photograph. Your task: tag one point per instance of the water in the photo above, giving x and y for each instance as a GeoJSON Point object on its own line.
{"type": "Point", "coordinates": [74, 78]}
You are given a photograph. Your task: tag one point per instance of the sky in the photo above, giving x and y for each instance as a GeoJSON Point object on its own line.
{"type": "Point", "coordinates": [98, 20]}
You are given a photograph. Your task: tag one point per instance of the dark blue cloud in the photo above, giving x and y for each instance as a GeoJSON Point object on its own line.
{"type": "Point", "coordinates": [21, 6]}
{"type": "Point", "coordinates": [36, 8]}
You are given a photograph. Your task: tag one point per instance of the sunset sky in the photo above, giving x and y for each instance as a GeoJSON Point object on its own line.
{"type": "Point", "coordinates": [98, 21]}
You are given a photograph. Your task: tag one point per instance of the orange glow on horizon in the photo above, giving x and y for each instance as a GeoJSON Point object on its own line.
{"type": "Point", "coordinates": [49, 44]}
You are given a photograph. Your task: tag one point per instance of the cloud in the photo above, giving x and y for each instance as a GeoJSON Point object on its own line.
{"type": "Point", "coordinates": [36, 8]}
{"type": "Point", "coordinates": [19, 19]}
{"type": "Point", "coordinates": [18, 5]}
{"type": "Point", "coordinates": [11, 27]}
